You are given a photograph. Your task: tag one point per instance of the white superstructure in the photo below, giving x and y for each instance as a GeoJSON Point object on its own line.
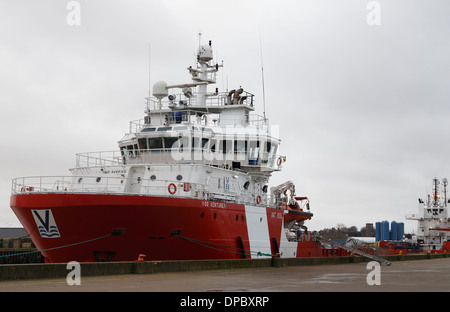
{"type": "Point", "coordinates": [433, 220]}
{"type": "Point", "coordinates": [192, 142]}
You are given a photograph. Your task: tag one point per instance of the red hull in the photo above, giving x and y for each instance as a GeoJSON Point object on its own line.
{"type": "Point", "coordinates": [162, 228]}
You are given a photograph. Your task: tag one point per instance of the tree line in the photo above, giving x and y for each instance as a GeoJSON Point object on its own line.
{"type": "Point", "coordinates": [342, 232]}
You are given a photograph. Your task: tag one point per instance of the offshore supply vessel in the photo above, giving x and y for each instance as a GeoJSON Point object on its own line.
{"type": "Point", "coordinates": [433, 227]}
{"type": "Point", "coordinates": [189, 181]}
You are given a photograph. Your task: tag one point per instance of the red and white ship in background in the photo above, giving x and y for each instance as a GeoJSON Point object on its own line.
{"type": "Point", "coordinates": [190, 181]}
{"type": "Point", "coordinates": [433, 228]}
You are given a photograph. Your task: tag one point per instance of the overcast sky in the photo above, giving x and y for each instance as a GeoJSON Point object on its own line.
{"type": "Point", "coordinates": [360, 93]}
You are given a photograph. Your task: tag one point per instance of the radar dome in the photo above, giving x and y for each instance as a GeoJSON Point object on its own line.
{"type": "Point", "coordinates": [205, 53]}
{"type": "Point", "coordinates": [160, 89]}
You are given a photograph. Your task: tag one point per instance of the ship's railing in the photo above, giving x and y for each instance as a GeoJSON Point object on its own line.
{"type": "Point", "coordinates": [42, 184]}
{"type": "Point", "coordinates": [98, 159]}
{"type": "Point", "coordinates": [200, 118]}
{"type": "Point", "coordinates": [212, 99]}
{"type": "Point", "coordinates": [119, 185]}
{"type": "Point", "coordinates": [264, 160]}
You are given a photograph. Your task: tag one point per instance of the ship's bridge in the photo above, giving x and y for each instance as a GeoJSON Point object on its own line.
{"type": "Point", "coordinates": [236, 147]}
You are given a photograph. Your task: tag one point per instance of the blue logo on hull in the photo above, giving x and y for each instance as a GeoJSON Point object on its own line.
{"type": "Point", "coordinates": [45, 223]}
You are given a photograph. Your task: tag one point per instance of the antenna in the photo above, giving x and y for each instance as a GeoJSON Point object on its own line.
{"type": "Point", "coordinates": [149, 83]}
{"type": "Point", "coordinates": [199, 39]}
{"type": "Point", "coordinates": [262, 74]}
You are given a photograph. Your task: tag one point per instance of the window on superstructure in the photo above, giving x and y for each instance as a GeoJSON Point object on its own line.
{"type": "Point", "coordinates": [204, 142]}
{"type": "Point", "coordinates": [227, 146]}
{"type": "Point", "coordinates": [143, 144]}
{"type": "Point", "coordinates": [164, 129]}
{"type": "Point", "coordinates": [155, 143]}
{"type": "Point", "coordinates": [240, 146]}
{"type": "Point", "coordinates": [170, 142]}
{"type": "Point", "coordinates": [253, 152]}
{"type": "Point", "coordinates": [207, 130]}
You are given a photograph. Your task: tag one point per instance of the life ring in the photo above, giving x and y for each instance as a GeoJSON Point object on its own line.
{"type": "Point", "coordinates": [258, 199]}
{"type": "Point", "coordinates": [279, 161]}
{"type": "Point", "coordinates": [172, 188]}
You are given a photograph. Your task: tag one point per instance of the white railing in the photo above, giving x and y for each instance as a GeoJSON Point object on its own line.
{"type": "Point", "coordinates": [119, 185]}
{"type": "Point", "coordinates": [97, 159]}
{"type": "Point", "coordinates": [264, 160]}
{"type": "Point", "coordinates": [191, 117]}
{"type": "Point", "coordinates": [214, 100]}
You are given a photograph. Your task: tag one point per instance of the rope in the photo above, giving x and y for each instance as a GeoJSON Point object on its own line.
{"type": "Point", "coordinates": [203, 243]}
{"type": "Point", "coordinates": [192, 240]}
{"type": "Point", "coordinates": [59, 247]}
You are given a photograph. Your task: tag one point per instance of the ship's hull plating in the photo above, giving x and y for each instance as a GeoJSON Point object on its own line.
{"type": "Point", "coordinates": [100, 227]}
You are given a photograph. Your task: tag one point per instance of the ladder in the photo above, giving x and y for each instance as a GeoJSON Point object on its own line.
{"type": "Point", "coordinates": [354, 250]}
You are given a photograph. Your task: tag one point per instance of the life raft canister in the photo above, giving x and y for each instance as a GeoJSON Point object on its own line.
{"type": "Point", "coordinates": [172, 188]}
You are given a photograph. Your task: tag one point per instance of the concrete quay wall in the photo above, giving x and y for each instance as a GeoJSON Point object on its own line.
{"type": "Point", "coordinates": [58, 270]}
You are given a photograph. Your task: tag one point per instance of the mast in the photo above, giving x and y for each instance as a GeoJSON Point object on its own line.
{"type": "Point", "coordinates": [436, 194]}
{"type": "Point", "coordinates": [444, 180]}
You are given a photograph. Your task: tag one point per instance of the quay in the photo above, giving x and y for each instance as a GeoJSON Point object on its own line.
{"type": "Point", "coordinates": [334, 274]}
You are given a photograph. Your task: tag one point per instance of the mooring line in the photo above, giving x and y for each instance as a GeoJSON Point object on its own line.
{"type": "Point", "coordinates": [59, 247]}
{"type": "Point", "coordinates": [203, 243]}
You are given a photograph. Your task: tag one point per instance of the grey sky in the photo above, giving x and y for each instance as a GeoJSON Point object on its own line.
{"type": "Point", "coordinates": [363, 110]}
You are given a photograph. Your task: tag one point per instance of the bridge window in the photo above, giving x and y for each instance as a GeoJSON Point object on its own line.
{"type": "Point", "coordinates": [170, 142]}
{"type": "Point", "coordinates": [164, 129]}
{"type": "Point", "coordinates": [143, 143]}
{"type": "Point", "coordinates": [227, 146]}
{"type": "Point", "coordinates": [155, 143]}
{"type": "Point", "coordinates": [240, 146]}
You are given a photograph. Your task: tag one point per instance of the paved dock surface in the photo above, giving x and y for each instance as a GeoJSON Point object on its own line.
{"type": "Point", "coordinates": [402, 276]}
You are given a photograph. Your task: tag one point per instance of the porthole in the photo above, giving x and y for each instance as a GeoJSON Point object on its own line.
{"type": "Point", "coordinates": [80, 180]}
{"type": "Point", "coordinates": [179, 177]}
{"type": "Point", "coordinates": [153, 177]}
{"type": "Point", "coordinates": [98, 179]}
{"type": "Point", "coordinates": [215, 215]}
